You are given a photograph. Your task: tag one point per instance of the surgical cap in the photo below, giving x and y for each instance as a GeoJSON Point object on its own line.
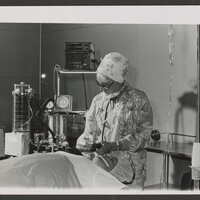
{"type": "Point", "coordinates": [115, 66]}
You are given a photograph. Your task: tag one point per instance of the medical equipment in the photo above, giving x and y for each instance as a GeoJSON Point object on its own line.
{"type": "Point", "coordinates": [57, 122]}
{"type": "Point", "coordinates": [22, 95]}
{"type": "Point", "coordinates": [64, 103]}
{"type": "Point", "coordinates": [2, 145]}
{"type": "Point", "coordinates": [17, 142]}
{"type": "Point", "coordinates": [78, 55]}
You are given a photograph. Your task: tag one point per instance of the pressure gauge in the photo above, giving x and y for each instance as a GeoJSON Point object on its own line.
{"type": "Point", "coordinates": [62, 102]}
{"type": "Point", "coordinates": [50, 105]}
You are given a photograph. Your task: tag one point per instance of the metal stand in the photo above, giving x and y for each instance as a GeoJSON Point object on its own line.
{"type": "Point", "coordinates": [166, 169]}
{"type": "Point", "coordinates": [167, 153]}
{"type": "Point", "coordinates": [58, 82]}
{"type": "Point", "coordinates": [196, 177]}
{"type": "Point", "coordinates": [61, 71]}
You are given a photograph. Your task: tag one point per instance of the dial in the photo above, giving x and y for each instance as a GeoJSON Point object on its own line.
{"type": "Point", "coordinates": [62, 101]}
{"type": "Point", "coordinates": [50, 105]}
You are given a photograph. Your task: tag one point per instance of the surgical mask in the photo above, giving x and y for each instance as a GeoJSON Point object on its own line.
{"type": "Point", "coordinates": [111, 96]}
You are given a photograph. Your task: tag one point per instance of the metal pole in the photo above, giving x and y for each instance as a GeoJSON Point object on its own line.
{"type": "Point", "coordinates": [198, 83]}
{"type": "Point", "coordinates": [40, 65]}
{"type": "Point", "coordinates": [58, 82]}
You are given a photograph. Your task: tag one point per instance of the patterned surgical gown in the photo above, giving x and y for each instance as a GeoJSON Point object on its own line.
{"type": "Point", "coordinates": [128, 118]}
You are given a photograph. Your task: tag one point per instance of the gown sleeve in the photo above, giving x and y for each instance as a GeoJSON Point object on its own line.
{"type": "Point", "coordinates": [138, 123]}
{"type": "Point", "coordinates": [91, 130]}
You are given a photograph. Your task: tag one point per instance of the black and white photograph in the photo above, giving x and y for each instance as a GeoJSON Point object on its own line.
{"type": "Point", "coordinates": [96, 105]}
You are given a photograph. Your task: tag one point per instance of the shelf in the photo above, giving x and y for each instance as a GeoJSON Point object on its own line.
{"type": "Point", "coordinates": [64, 71]}
{"type": "Point", "coordinates": [179, 150]}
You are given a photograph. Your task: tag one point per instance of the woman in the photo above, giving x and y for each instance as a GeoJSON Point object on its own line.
{"type": "Point", "coordinates": [120, 119]}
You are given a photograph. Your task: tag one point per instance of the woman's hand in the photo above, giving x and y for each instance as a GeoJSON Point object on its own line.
{"type": "Point", "coordinates": [107, 147]}
{"type": "Point", "coordinates": [81, 147]}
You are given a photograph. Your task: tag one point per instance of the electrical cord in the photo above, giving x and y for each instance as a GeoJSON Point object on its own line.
{"type": "Point", "coordinates": [163, 175]}
{"type": "Point", "coordinates": [38, 114]}
{"type": "Point", "coordinates": [171, 46]}
{"type": "Point", "coordinates": [31, 114]}
{"type": "Point", "coordinates": [41, 108]}
{"type": "Point", "coordinates": [30, 93]}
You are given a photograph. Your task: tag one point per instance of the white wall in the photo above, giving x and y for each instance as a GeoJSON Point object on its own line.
{"type": "Point", "coordinates": [154, 71]}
